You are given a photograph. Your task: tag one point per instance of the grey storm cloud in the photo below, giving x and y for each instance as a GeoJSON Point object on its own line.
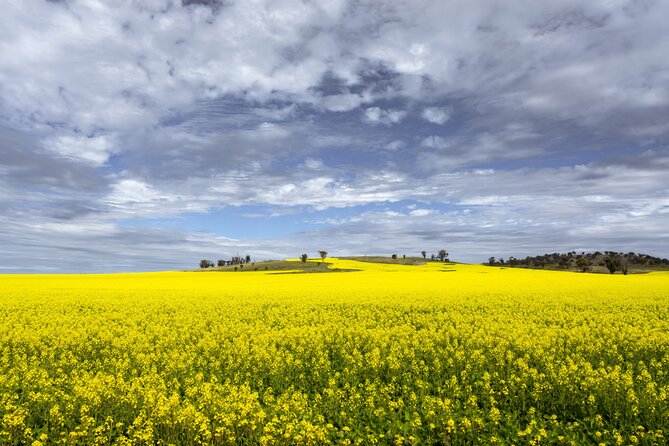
{"type": "Point", "coordinates": [538, 124]}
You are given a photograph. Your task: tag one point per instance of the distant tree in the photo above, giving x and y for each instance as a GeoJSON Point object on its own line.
{"type": "Point", "coordinates": [404, 256]}
{"type": "Point", "coordinates": [323, 255]}
{"type": "Point", "coordinates": [206, 263]}
{"type": "Point", "coordinates": [304, 258]}
{"type": "Point", "coordinates": [491, 261]}
{"type": "Point", "coordinates": [394, 256]}
{"type": "Point", "coordinates": [624, 265]}
{"type": "Point", "coordinates": [564, 261]}
{"type": "Point", "coordinates": [424, 254]}
{"type": "Point", "coordinates": [442, 255]}
{"type": "Point", "coordinates": [221, 263]}
{"type": "Point", "coordinates": [248, 258]}
{"type": "Point", "coordinates": [583, 263]}
{"type": "Point", "coordinates": [612, 261]}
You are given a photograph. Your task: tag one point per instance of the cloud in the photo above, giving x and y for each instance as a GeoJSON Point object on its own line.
{"type": "Point", "coordinates": [435, 142]}
{"type": "Point", "coordinates": [95, 150]}
{"type": "Point", "coordinates": [386, 117]}
{"type": "Point", "coordinates": [422, 212]}
{"type": "Point", "coordinates": [395, 145]}
{"type": "Point", "coordinates": [436, 115]}
{"type": "Point", "coordinates": [343, 102]}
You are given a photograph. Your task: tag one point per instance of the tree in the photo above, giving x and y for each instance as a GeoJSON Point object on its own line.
{"type": "Point", "coordinates": [583, 263]}
{"type": "Point", "coordinates": [248, 258]}
{"type": "Point", "coordinates": [304, 258]}
{"type": "Point", "coordinates": [394, 256]}
{"type": "Point", "coordinates": [323, 255]}
{"type": "Point", "coordinates": [612, 261]}
{"type": "Point", "coordinates": [491, 261]}
{"type": "Point", "coordinates": [443, 255]}
{"type": "Point", "coordinates": [424, 254]}
{"type": "Point", "coordinates": [206, 263]}
{"type": "Point", "coordinates": [221, 263]}
{"type": "Point", "coordinates": [624, 265]}
{"type": "Point", "coordinates": [564, 262]}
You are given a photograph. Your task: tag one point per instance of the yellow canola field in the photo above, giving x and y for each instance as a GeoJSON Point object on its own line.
{"type": "Point", "coordinates": [437, 354]}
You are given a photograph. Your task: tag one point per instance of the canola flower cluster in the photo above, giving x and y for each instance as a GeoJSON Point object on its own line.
{"type": "Point", "coordinates": [406, 355]}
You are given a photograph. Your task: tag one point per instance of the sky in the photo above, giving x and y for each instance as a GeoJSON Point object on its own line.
{"type": "Point", "coordinates": [147, 135]}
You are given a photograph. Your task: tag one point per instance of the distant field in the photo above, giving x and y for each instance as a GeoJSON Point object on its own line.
{"type": "Point", "coordinates": [446, 354]}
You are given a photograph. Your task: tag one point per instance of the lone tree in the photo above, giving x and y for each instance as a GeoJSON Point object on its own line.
{"type": "Point", "coordinates": [248, 258]}
{"type": "Point", "coordinates": [394, 256]}
{"type": "Point", "coordinates": [612, 262]}
{"type": "Point", "coordinates": [323, 255]}
{"type": "Point", "coordinates": [221, 263]}
{"type": "Point", "coordinates": [204, 263]}
{"type": "Point", "coordinates": [443, 255]}
{"type": "Point", "coordinates": [304, 258]}
{"type": "Point", "coordinates": [424, 254]}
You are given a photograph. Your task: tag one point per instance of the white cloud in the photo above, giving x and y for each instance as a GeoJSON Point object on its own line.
{"type": "Point", "coordinates": [313, 164]}
{"type": "Point", "coordinates": [386, 117]}
{"type": "Point", "coordinates": [395, 145]}
{"type": "Point", "coordinates": [437, 115]}
{"type": "Point", "coordinates": [132, 198]}
{"type": "Point", "coordinates": [422, 212]}
{"type": "Point", "coordinates": [134, 191]}
{"type": "Point", "coordinates": [94, 150]}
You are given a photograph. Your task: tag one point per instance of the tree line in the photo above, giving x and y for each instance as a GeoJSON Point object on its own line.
{"type": "Point", "coordinates": [441, 255]}
{"type": "Point", "coordinates": [234, 260]}
{"type": "Point", "coordinates": [612, 260]}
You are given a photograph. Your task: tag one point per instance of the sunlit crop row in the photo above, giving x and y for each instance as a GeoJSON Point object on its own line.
{"type": "Point", "coordinates": [435, 354]}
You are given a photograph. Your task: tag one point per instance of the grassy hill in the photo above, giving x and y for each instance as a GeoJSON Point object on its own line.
{"type": "Point", "coordinates": [313, 265]}
{"type": "Point", "coordinates": [381, 259]}
{"type": "Point", "coordinates": [280, 266]}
